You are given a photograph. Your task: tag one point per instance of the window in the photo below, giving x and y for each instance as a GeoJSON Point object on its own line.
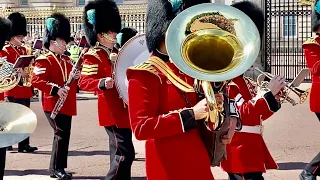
{"type": "Point", "coordinates": [23, 2]}
{"type": "Point", "coordinates": [289, 26]}
{"type": "Point", "coordinates": [81, 2]}
{"type": "Point", "coordinates": [119, 1]}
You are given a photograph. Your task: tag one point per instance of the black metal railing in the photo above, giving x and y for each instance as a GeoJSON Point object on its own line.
{"type": "Point", "coordinates": [288, 25]}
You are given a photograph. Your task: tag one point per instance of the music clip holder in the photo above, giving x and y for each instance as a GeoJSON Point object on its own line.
{"type": "Point", "coordinates": [23, 61]}
{"type": "Point", "coordinates": [83, 42]}
{"type": "Point", "coordinates": [300, 78]}
{"type": "Point", "coordinates": [37, 44]}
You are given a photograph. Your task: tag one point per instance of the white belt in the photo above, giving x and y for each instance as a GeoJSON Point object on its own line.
{"type": "Point", "coordinates": [252, 129]}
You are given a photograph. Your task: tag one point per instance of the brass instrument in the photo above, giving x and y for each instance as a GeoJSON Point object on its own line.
{"type": "Point", "coordinates": [213, 52]}
{"type": "Point", "coordinates": [284, 94]}
{"type": "Point", "coordinates": [28, 70]}
{"type": "Point", "coordinates": [9, 77]}
{"type": "Point", "coordinates": [17, 122]}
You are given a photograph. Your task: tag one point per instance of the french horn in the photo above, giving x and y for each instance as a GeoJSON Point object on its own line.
{"type": "Point", "coordinates": [213, 43]}
{"type": "Point", "coordinates": [10, 77]}
{"type": "Point", "coordinates": [17, 122]}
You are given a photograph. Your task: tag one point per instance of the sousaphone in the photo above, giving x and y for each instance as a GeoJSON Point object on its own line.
{"type": "Point", "coordinates": [133, 52]}
{"type": "Point", "coordinates": [213, 43]}
{"type": "Point", "coordinates": [17, 122]}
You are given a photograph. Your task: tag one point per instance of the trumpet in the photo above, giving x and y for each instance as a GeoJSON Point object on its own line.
{"type": "Point", "coordinates": [284, 94]}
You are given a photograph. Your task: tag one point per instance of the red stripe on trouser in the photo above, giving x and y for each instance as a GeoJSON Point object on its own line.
{"type": "Point", "coordinates": [57, 144]}
{"type": "Point", "coordinates": [314, 172]}
{"type": "Point", "coordinates": [115, 138]}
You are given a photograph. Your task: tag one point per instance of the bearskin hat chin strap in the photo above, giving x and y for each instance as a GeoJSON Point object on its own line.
{"type": "Point", "coordinates": [108, 38]}
{"type": "Point", "coordinates": [16, 39]}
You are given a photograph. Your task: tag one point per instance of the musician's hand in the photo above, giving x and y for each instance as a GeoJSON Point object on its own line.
{"type": "Point", "coordinates": [201, 110]}
{"type": "Point", "coordinates": [219, 98]}
{"type": "Point", "coordinates": [109, 83]}
{"type": "Point", "coordinates": [63, 92]}
{"type": "Point", "coordinates": [226, 139]}
{"type": "Point", "coordinates": [276, 84]}
{"type": "Point", "coordinates": [23, 74]}
{"type": "Point", "coordinates": [3, 59]}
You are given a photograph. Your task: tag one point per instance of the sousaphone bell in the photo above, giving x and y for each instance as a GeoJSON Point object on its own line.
{"type": "Point", "coordinates": [213, 43]}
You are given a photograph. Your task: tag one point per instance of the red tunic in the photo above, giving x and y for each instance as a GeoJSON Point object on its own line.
{"type": "Point", "coordinates": [312, 53]}
{"type": "Point", "coordinates": [174, 149]}
{"type": "Point", "coordinates": [12, 55]}
{"type": "Point", "coordinates": [111, 109]}
{"type": "Point", "coordinates": [247, 151]}
{"type": "Point", "coordinates": [50, 73]}
{"type": "Point", "coordinates": [1, 96]}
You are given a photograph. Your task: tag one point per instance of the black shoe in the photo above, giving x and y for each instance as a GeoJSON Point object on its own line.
{"type": "Point", "coordinates": [305, 175]}
{"type": "Point", "coordinates": [9, 148]}
{"type": "Point", "coordinates": [27, 148]}
{"type": "Point", "coordinates": [61, 174]}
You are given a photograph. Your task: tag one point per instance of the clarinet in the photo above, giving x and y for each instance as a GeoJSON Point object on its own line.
{"type": "Point", "coordinates": [76, 67]}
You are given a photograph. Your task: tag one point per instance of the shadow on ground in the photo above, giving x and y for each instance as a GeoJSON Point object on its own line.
{"type": "Point", "coordinates": [45, 172]}
{"type": "Point", "coordinates": [26, 172]}
{"type": "Point", "coordinates": [73, 153]}
{"type": "Point", "coordinates": [292, 165]}
{"type": "Point", "coordinates": [102, 177]}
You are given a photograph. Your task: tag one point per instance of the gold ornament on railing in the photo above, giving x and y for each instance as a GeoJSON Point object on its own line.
{"type": "Point", "coordinates": [307, 2]}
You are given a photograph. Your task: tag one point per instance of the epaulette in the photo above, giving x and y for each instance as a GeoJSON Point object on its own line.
{"type": "Point", "coordinates": [146, 67]}
{"type": "Point", "coordinates": [93, 52]}
{"type": "Point", "coordinates": [5, 48]}
{"type": "Point", "coordinates": [231, 83]}
{"type": "Point", "coordinates": [312, 40]}
{"type": "Point", "coordinates": [43, 57]}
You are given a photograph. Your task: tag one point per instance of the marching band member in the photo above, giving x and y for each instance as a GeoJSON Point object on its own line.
{"type": "Point", "coordinates": [19, 94]}
{"type": "Point", "coordinates": [50, 73]}
{"type": "Point", "coordinates": [163, 114]}
{"type": "Point", "coordinates": [96, 76]}
{"type": "Point", "coordinates": [5, 28]}
{"type": "Point", "coordinates": [248, 155]}
{"type": "Point", "coordinates": [311, 50]}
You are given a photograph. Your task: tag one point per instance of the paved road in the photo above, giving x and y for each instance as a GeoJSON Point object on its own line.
{"type": "Point", "coordinates": [292, 136]}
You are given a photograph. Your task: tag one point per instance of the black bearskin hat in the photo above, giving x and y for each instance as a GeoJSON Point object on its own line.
{"type": "Point", "coordinates": [126, 34]}
{"type": "Point", "coordinates": [57, 26]}
{"type": "Point", "coordinates": [5, 26]}
{"type": "Point", "coordinates": [100, 16]}
{"type": "Point", "coordinates": [315, 17]}
{"type": "Point", "coordinates": [160, 13]}
{"type": "Point", "coordinates": [254, 12]}
{"type": "Point", "coordinates": [19, 24]}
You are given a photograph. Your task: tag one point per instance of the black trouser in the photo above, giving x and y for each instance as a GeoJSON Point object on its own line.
{"type": "Point", "coordinates": [2, 161]}
{"type": "Point", "coordinates": [25, 102]}
{"type": "Point", "coordinates": [314, 166]}
{"type": "Point", "coordinates": [246, 176]}
{"type": "Point", "coordinates": [61, 126]}
{"type": "Point", "coordinates": [122, 153]}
